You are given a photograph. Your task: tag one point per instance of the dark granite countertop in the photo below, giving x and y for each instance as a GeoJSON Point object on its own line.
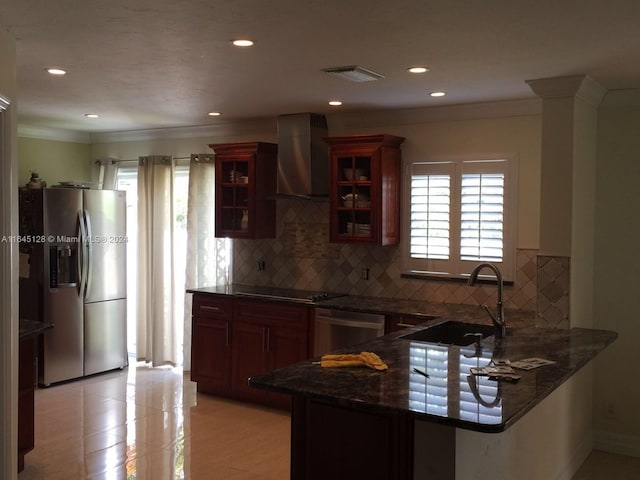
{"type": "Point", "coordinates": [378, 305]}
{"type": "Point", "coordinates": [446, 396]}
{"type": "Point", "coordinates": [31, 328]}
{"type": "Point", "coordinates": [265, 293]}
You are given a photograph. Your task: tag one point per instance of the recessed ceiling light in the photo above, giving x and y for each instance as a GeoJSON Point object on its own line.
{"type": "Point", "coordinates": [56, 71]}
{"type": "Point", "coordinates": [214, 114]}
{"type": "Point", "coordinates": [243, 42]}
{"type": "Point", "coordinates": [437, 94]}
{"type": "Point", "coordinates": [335, 103]}
{"type": "Point", "coordinates": [91, 115]}
{"type": "Point", "coordinates": [417, 69]}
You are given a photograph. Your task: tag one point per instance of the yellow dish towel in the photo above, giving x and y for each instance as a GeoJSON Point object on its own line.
{"type": "Point", "coordinates": [362, 359]}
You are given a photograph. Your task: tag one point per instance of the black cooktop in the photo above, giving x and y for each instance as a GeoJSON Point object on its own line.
{"type": "Point", "coordinates": [290, 294]}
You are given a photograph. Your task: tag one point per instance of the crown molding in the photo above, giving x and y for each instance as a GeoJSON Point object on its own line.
{"type": "Point", "coordinates": [249, 127]}
{"type": "Point", "coordinates": [628, 97]}
{"type": "Point", "coordinates": [57, 134]}
{"type": "Point", "coordinates": [343, 120]}
{"type": "Point", "coordinates": [411, 116]}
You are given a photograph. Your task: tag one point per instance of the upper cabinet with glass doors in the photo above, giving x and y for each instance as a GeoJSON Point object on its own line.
{"type": "Point", "coordinates": [365, 189]}
{"type": "Point", "coordinates": [245, 179]}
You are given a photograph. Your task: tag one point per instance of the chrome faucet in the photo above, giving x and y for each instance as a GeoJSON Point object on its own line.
{"type": "Point", "coordinates": [498, 318]}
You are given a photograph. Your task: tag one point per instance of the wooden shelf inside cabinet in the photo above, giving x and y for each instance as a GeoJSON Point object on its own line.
{"type": "Point", "coordinates": [245, 178]}
{"type": "Point", "coordinates": [365, 189]}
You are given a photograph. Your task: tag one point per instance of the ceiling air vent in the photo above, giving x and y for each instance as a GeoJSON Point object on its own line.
{"type": "Point", "coordinates": [353, 73]}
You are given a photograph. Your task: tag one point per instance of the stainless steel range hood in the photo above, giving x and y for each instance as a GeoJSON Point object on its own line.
{"type": "Point", "coordinates": [303, 156]}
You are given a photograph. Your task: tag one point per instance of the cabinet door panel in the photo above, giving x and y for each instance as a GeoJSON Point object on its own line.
{"type": "Point", "coordinates": [286, 346]}
{"type": "Point", "coordinates": [210, 354]}
{"type": "Point", "coordinates": [249, 357]}
{"type": "Point", "coordinates": [245, 181]}
{"type": "Point", "coordinates": [365, 189]}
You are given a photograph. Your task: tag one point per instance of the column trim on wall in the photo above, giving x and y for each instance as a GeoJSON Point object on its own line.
{"type": "Point", "coordinates": [580, 86]}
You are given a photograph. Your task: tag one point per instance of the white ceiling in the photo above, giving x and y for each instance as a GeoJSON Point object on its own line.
{"type": "Point", "coordinates": [144, 64]}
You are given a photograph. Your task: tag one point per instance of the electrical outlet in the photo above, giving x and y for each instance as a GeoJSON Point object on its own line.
{"type": "Point", "coordinates": [364, 274]}
{"type": "Point", "coordinates": [261, 266]}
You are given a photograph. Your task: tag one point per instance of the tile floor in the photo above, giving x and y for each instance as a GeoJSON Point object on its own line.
{"type": "Point", "coordinates": [149, 424]}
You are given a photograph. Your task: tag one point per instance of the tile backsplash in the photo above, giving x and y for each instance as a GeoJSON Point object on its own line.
{"type": "Point", "coordinates": [301, 257]}
{"type": "Point", "coordinates": [553, 292]}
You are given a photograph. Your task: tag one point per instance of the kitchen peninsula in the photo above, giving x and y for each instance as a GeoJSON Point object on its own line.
{"type": "Point", "coordinates": [399, 424]}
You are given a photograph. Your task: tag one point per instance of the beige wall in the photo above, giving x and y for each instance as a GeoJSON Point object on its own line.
{"type": "Point", "coordinates": [55, 161]}
{"type": "Point", "coordinates": [617, 278]}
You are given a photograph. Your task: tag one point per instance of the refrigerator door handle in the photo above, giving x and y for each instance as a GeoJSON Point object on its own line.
{"type": "Point", "coordinates": [89, 253]}
{"type": "Point", "coordinates": [82, 236]}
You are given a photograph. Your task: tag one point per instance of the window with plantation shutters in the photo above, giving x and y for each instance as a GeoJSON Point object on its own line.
{"type": "Point", "coordinates": [460, 214]}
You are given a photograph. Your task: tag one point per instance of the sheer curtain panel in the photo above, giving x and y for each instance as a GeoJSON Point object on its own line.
{"type": "Point", "coordinates": [105, 173]}
{"type": "Point", "coordinates": [110, 175]}
{"type": "Point", "coordinates": [157, 339]}
{"type": "Point", "coordinates": [207, 256]}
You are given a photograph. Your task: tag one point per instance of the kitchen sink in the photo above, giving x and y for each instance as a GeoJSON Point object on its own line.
{"type": "Point", "coordinates": [451, 333]}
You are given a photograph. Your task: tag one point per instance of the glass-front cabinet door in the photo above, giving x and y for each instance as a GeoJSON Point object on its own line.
{"type": "Point", "coordinates": [353, 210]}
{"type": "Point", "coordinates": [245, 183]}
{"type": "Point", "coordinates": [365, 189]}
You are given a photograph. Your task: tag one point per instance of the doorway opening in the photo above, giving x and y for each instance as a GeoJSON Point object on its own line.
{"type": "Point", "coordinates": [127, 180]}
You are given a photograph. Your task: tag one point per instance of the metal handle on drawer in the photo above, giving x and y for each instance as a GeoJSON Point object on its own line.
{"type": "Point", "coordinates": [400, 324]}
{"type": "Point", "coordinates": [207, 307]}
{"type": "Point", "coordinates": [226, 334]}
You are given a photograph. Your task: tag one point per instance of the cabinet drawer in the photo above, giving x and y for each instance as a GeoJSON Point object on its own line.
{"type": "Point", "coordinates": [211, 306]}
{"type": "Point", "coordinates": [291, 316]}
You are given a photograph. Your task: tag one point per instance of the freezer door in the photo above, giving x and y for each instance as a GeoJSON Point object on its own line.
{"type": "Point", "coordinates": [105, 217]}
{"type": "Point", "coordinates": [62, 345]}
{"type": "Point", "coordinates": [105, 336]}
{"type": "Point", "coordinates": [62, 349]}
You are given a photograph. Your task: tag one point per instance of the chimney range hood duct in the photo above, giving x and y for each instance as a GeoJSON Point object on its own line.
{"type": "Point", "coordinates": [303, 156]}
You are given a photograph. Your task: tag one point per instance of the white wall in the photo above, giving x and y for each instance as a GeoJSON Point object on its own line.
{"type": "Point", "coordinates": [617, 277]}
{"type": "Point", "coordinates": [549, 443]}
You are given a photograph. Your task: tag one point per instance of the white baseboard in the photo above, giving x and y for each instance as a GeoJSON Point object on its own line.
{"type": "Point", "coordinates": [619, 443]}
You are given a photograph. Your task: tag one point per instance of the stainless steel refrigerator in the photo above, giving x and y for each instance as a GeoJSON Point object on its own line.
{"type": "Point", "coordinates": [76, 279]}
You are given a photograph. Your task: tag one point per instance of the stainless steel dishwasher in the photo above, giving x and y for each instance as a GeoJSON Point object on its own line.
{"type": "Point", "coordinates": [335, 329]}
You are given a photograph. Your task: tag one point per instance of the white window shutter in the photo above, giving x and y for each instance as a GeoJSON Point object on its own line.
{"type": "Point", "coordinates": [482, 217]}
{"type": "Point", "coordinates": [430, 216]}
{"type": "Point", "coordinates": [460, 213]}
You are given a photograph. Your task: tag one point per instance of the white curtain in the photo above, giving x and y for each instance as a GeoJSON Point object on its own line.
{"type": "Point", "coordinates": [208, 261]}
{"type": "Point", "coordinates": [157, 338]}
{"type": "Point", "coordinates": [110, 178]}
{"type": "Point", "coordinates": [105, 173]}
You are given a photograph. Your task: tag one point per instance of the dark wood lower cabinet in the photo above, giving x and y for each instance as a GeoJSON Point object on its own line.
{"type": "Point", "coordinates": [249, 358]}
{"type": "Point", "coordinates": [266, 336]}
{"type": "Point", "coordinates": [211, 343]}
{"type": "Point", "coordinates": [340, 443]}
{"type": "Point", "coordinates": [233, 340]}
{"type": "Point", "coordinates": [26, 387]}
